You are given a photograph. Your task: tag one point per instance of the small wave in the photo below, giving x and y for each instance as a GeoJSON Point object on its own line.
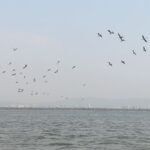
{"type": "Point", "coordinates": [60, 144]}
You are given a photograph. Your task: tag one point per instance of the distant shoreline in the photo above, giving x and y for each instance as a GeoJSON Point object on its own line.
{"type": "Point", "coordinates": [74, 108]}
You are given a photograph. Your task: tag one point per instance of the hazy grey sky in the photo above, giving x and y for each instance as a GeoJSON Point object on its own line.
{"type": "Point", "coordinates": [45, 31]}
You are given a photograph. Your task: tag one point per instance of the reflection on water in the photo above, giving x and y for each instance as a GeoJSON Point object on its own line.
{"type": "Point", "coordinates": [72, 129]}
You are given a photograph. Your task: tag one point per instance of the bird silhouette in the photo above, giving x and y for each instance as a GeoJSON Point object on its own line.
{"type": "Point", "coordinates": [110, 64]}
{"type": "Point", "coordinates": [36, 93]}
{"type": "Point", "coordinates": [44, 76]}
{"type": "Point", "coordinates": [10, 63]}
{"type": "Point", "coordinates": [13, 74]}
{"type": "Point", "coordinates": [25, 66]}
{"type": "Point", "coordinates": [133, 52]}
{"type": "Point", "coordinates": [100, 35]}
{"type": "Point", "coordinates": [58, 62]}
{"type": "Point", "coordinates": [121, 37]}
{"type": "Point", "coordinates": [56, 71]}
{"type": "Point", "coordinates": [20, 90]}
{"type": "Point", "coordinates": [34, 80]}
{"type": "Point", "coordinates": [144, 49]}
{"type": "Point", "coordinates": [123, 62]}
{"type": "Point", "coordinates": [4, 71]}
{"type": "Point", "coordinates": [84, 84]}
{"type": "Point", "coordinates": [110, 32]}
{"type": "Point", "coordinates": [73, 67]}
{"type": "Point", "coordinates": [14, 49]}
{"type": "Point", "coordinates": [144, 39]}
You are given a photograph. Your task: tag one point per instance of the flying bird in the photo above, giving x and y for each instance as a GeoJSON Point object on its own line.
{"type": "Point", "coordinates": [44, 76]}
{"type": "Point", "coordinates": [10, 63]}
{"type": "Point", "coordinates": [144, 49]}
{"type": "Point", "coordinates": [25, 66]}
{"type": "Point", "coordinates": [34, 80]}
{"type": "Point", "coordinates": [13, 74]}
{"type": "Point", "coordinates": [110, 64]}
{"type": "Point", "coordinates": [36, 93]}
{"type": "Point", "coordinates": [122, 40]}
{"type": "Point", "coordinates": [73, 67]}
{"type": "Point", "coordinates": [4, 71]}
{"type": "Point", "coordinates": [15, 49]}
{"type": "Point", "coordinates": [20, 90]}
{"type": "Point", "coordinates": [123, 62]}
{"type": "Point", "coordinates": [121, 37]}
{"type": "Point", "coordinates": [100, 35]}
{"type": "Point", "coordinates": [133, 52]}
{"type": "Point", "coordinates": [84, 84]}
{"type": "Point", "coordinates": [144, 39]}
{"type": "Point", "coordinates": [110, 32]}
{"type": "Point", "coordinates": [58, 62]}
{"type": "Point", "coordinates": [56, 71]}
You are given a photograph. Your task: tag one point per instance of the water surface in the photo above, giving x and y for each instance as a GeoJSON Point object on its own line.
{"type": "Point", "coordinates": [74, 129]}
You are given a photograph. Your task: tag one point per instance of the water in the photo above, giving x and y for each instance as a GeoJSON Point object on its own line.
{"type": "Point", "coordinates": [72, 129]}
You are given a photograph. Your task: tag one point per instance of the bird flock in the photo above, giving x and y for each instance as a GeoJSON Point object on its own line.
{"type": "Point", "coordinates": [21, 72]}
{"type": "Point", "coordinates": [122, 39]}
{"type": "Point", "coordinates": [14, 72]}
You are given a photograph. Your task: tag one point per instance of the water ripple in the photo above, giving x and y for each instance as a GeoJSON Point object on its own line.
{"type": "Point", "coordinates": [54, 129]}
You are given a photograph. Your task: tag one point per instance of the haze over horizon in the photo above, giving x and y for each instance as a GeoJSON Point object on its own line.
{"type": "Point", "coordinates": [47, 31]}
